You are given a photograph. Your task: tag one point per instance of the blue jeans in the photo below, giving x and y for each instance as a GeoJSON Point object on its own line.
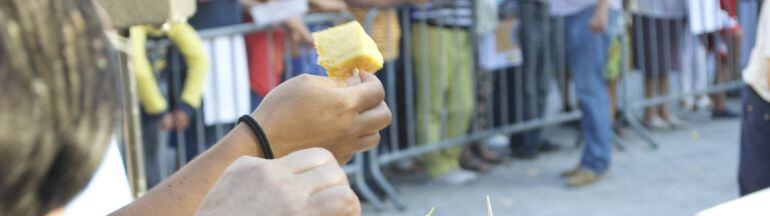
{"type": "Point", "coordinates": [586, 54]}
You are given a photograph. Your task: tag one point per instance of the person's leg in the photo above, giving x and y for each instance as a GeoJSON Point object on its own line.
{"type": "Point", "coordinates": [460, 86]}
{"type": "Point", "coordinates": [524, 144]}
{"type": "Point", "coordinates": [735, 41]}
{"type": "Point", "coordinates": [754, 161]}
{"type": "Point", "coordinates": [649, 92]}
{"type": "Point", "coordinates": [153, 140]}
{"type": "Point", "coordinates": [429, 97]}
{"type": "Point", "coordinates": [587, 57]}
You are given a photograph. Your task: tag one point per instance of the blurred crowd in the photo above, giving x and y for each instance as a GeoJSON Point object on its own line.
{"type": "Point", "coordinates": [583, 47]}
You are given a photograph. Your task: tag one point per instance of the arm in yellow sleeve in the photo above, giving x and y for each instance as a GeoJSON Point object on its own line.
{"type": "Point", "coordinates": [189, 44]}
{"type": "Point", "coordinates": [146, 86]}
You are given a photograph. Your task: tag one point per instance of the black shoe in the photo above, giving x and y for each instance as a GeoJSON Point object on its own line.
{"type": "Point", "coordinates": [724, 114]}
{"type": "Point", "coordinates": [524, 155]}
{"type": "Point", "coordinates": [547, 146]}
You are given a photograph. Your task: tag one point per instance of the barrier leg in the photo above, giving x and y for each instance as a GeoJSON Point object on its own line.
{"type": "Point", "coordinates": [382, 182]}
{"type": "Point", "coordinates": [639, 129]}
{"type": "Point", "coordinates": [359, 182]}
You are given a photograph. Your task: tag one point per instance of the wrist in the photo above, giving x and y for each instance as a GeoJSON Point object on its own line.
{"type": "Point", "coordinates": [244, 142]}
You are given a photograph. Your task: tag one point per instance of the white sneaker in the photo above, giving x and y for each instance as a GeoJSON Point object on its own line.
{"type": "Point", "coordinates": [459, 177]}
{"type": "Point", "coordinates": [498, 140]}
{"type": "Point", "coordinates": [675, 122]}
{"type": "Point", "coordinates": [703, 103]}
{"type": "Point", "coordinates": [657, 123]}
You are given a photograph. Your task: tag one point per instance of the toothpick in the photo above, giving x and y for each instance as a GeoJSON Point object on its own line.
{"type": "Point", "coordinates": [489, 207]}
{"type": "Point", "coordinates": [430, 213]}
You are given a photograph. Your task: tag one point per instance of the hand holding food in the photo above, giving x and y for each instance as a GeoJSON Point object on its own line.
{"type": "Point", "coordinates": [313, 111]}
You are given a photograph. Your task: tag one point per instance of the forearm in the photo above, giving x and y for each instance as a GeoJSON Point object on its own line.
{"type": "Point", "coordinates": [602, 6]}
{"type": "Point", "coordinates": [182, 193]}
{"type": "Point", "coordinates": [189, 44]}
{"type": "Point", "coordinates": [147, 87]}
{"type": "Point", "coordinates": [247, 4]}
{"type": "Point", "coordinates": [375, 3]}
{"type": "Point", "coordinates": [767, 71]}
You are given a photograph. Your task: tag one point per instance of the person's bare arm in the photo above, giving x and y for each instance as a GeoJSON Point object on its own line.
{"type": "Point", "coordinates": [598, 23]}
{"type": "Point", "coordinates": [248, 4]}
{"type": "Point", "coordinates": [383, 3]}
{"type": "Point", "coordinates": [304, 112]}
{"type": "Point", "coordinates": [767, 71]}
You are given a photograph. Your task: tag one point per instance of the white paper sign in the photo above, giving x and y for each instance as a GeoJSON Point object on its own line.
{"type": "Point", "coordinates": [501, 48]}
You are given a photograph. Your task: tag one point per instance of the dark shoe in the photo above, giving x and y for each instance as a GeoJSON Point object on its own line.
{"type": "Point", "coordinates": [619, 130]}
{"type": "Point", "coordinates": [487, 155]}
{"type": "Point", "coordinates": [547, 146]}
{"type": "Point", "coordinates": [583, 177]}
{"type": "Point", "coordinates": [470, 162]}
{"type": "Point", "coordinates": [724, 114]}
{"type": "Point", "coordinates": [525, 155]}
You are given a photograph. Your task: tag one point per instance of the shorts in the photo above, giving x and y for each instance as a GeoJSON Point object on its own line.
{"type": "Point", "coordinates": [656, 44]}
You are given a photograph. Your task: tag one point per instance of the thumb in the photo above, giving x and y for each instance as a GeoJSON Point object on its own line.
{"type": "Point", "coordinates": [355, 79]}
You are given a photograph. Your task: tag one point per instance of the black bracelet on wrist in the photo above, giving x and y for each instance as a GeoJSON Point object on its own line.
{"type": "Point", "coordinates": [261, 137]}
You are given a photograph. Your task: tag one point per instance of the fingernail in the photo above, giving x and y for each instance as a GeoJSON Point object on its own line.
{"type": "Point", "coordinates": [355, 79]}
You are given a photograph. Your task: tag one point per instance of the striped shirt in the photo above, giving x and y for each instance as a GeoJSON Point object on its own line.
{"type": "Point", "coordinates": [451, 13]}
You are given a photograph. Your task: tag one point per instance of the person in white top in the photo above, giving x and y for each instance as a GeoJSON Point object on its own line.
{"type": "Point", "coordinates": [658, 27]}
{"type": "Point", "coordinates": [586, 47]}
{"type": "Point", "coordinates": [754, 164]}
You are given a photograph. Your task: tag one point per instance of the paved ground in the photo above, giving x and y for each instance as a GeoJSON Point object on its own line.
{"type": "Point", "coordinates": [694, 169]}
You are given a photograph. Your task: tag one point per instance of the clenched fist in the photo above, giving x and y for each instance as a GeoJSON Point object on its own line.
{"type": "Point", "coordinates": [306, 182]}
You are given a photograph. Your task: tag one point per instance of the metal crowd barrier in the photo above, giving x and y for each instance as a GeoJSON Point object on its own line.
{"type": "Point", "coordinates": [522, 112]}
{"type": "Point", "coordinates": [513, 96]}
{"type": "Point", "coordinates": [228, 55]}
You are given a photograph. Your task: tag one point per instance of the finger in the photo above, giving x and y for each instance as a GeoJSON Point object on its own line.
{"type": "Point", "coordinates": [368, 141]}
{"type": "Point", "coordinates": [303, 160]}
{"type": "Point", "coordinates": [323, 177]}
{"type": "Point", "coordinates": [368, 94]}
{"type": "Point", "coordinates": [355, 79]}
{"type": "Point", "coordinates": [374, 120]}
{"type": "Point", "coordinates": [338, 200]}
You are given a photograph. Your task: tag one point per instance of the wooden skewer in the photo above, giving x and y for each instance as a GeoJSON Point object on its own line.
{"type": "Point", "coordinates": [430, 213]}
{"type": "Point", "coordinates": [489, 207]}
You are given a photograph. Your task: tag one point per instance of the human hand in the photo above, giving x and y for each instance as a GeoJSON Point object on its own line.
{"type": "Point", "coordinates": [181, 119]}
{"type": "Point", "coordinates": [299, 34]}
{"type": "Point", "coordinates": [598, 22]}
{"type": "Point", "coordinates": [418, 1]}
{"type": "Point", "coordinates": [313, 111]}
{"type": "Point", "coordinates": [306, 182]}
{"type": "Point", "coordinates": [166, 122]}
{"type": "Point", "coordinates": [328, 5]}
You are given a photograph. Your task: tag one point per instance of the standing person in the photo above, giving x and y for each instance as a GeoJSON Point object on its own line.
{"type": "Point", "coordinates": [754, 165]}
{"type": "Point", "coordinates": [158, 117]}
{"type": "Point", "coordinates": [535, 32]}
{"type": "Point", "coordinates": [658, 33]}
{"type": "Point", "coordinates": [585, 23]}
{"type": "Point", "coordinates": [618, 51]}
{"type": "Point", "coordinates": [725, 45]}
{"type": "Point", "coordinates": [443, 60]}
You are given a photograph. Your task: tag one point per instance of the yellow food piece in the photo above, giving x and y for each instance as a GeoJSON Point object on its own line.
{"type": "Point", "coordinates": [344, 48]}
